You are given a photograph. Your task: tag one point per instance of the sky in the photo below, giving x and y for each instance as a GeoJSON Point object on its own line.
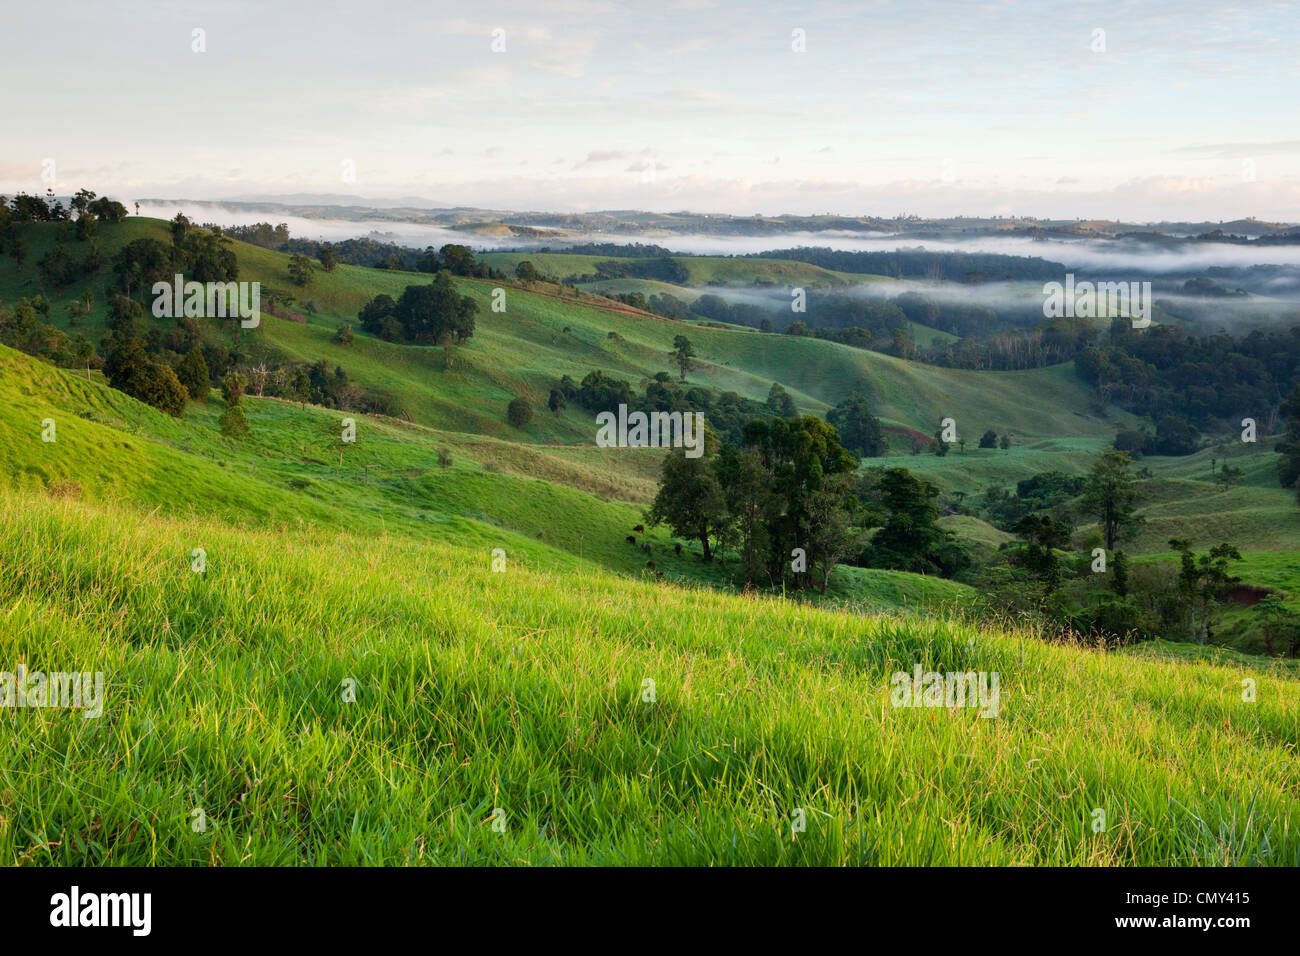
{"type": "Point", "coordinates": [1147, 111]}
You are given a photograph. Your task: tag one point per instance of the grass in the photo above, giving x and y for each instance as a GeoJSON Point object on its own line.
{"type": "Point", "coordinates": [526, 690]}
{"type": "Point", "coordinates": [525, 350]}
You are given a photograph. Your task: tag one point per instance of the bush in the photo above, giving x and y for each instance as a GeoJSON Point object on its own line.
{"type": "Point", "coordinates": [1118, 620]}
{"type": "Point", "coordinates": [232, 388]}
{"type": "Point", "coordinates": [157, 385]}
{"type": "Point", "coordinates": [233, 423]}
{"type": "Point", "coordinates": [444, 458]}
{"type": "Point", "coordinates": [193, 374]}
{"type": "Point", "coordinates": [519, 412]}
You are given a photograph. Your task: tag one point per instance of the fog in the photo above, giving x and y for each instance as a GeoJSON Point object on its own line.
{"type": "Point", "coordinates": [1111, 257]}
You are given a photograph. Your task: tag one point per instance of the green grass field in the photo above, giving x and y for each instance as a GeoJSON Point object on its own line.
{"type": "Point", "coordinates": [351, 681]}
{"type": "Point", "coordinates": [509, 717]}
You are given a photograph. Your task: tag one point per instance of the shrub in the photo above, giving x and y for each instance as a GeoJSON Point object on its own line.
{"type": "Point", "coordinates": [193, 374]}
{"type": "Point", "coordinates": [233, 423]}
{"type": "Point", "coordinates": [519, 413]}
{"type": "Point", "coordinates": [232, 388]}
{"type": "Point", "coordinates": [157, 385]}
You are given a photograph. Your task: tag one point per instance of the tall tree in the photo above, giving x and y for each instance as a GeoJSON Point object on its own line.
{"type": "Point", "coordinates": [859, 430]}
{"type": "Point", "coordinates": [690, 500]}
{"type": "Point", "coordinates": [193, 373]}
{"type": "Point", "coordinates": [1111, 496]}
{"type": "Point", "coordinates": [683, 352]}
{"type": "Point", "coordinates": [1201, 580]}
{"type": "Point", "coordinates": [829, 531]}
{"type": "Point", "coordinates": [747, 485]}
{"type": "Point", "coordinates": [780, 403]}
{"type": "Point", "coordinates": [1288, 468]}
{"type": "Point", "coordinates": [1042, 535]}
{"type": "Point", "coordinates": [910, 539]}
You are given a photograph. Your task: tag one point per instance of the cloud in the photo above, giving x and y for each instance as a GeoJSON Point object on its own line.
{"type": "Point", "coordinates": [1241, 150]}
{"type": "Point", "coordinates": [597, 156]}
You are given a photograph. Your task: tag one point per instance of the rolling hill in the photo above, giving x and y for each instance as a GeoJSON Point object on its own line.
{"type": "Point", "coordinates": [388, 658]}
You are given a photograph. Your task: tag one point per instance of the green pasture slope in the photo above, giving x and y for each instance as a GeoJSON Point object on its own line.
{"type": "Point", "coordinates": [612, 718]}
{"type": "Point", "coordinates": [320, 696]}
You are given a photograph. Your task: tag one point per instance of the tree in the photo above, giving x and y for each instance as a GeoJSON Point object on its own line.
{"type": "Point", "coordinates": [1201, 579]}
{"type": "Point", "coordinates": [141, 263]}
{"type": "Point", "coordinates": [376, 317]}
{"type": "Point", "coordinates": [989, 439]}
{"type": "Point", "coordinates": [427, 311]}
{"type": "Point", "coordinates": [1005, 442]}
{"type": "Point", "coordinates": [747, 489]}
{"type": "Point", "coordinates": [300, 269]}
{"type": "Point", "coordinates": [157, 385]}
{"type": "Point", "coordinates": [232, 388]}
{"type": "Point", "coordinates": [799, 456]}
{"type": "Point", "coordinates": [556, 401]}
{"type": "Point", "coordinates": [525, 271]}
{"type": "Point", "coordinates": [519, 412]}
{"type": "Point", "coordinates": [193, 374]}
{"type": "Point", "coordinates": [1279, 625]}
{"type": "Point", "coordinates": [328, 258]}
{"type": "Point", "coordinates": [780, 402]}
{"type": "Point", "coordinates": [683, 352]}
{"type": "Point", "coordinates": [1043, 534]}
{"type": "Point", "coordinates": [1119, 574]}
{"type": "Point", "coordinates": [344, 335]}
{"type": "Point", "coordinates": [124, 356]}
{"type": "Point", "coordinates": [180, 226]}
{"type": "Point", "coordinates": [1175, 436]}
{"type": "Point", "coordinates": [829, 534]}
{"type": "Point", "coordinates": [1110, 494]}
{"type": "Point", "coordinates": [910, 540]}
{"type": "Point", "coordinates": [109, 210]}
{"type": "Point", "coordinates": [690, 500]}
{"type": "Point", "coordinates": [860, 431]}
{"type": "Point", "coordinates": [81, 201]}
{"type": "Point", "coordinates": [1288, 469]}
{"type": "Point", "coordinates": [233, 423]}
{"type": "Point", "coordinates": [458, 260]}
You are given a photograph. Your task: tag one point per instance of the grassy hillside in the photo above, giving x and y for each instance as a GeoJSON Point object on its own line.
{"type": "Point", "coordinates": [525, 350]}
{"type": "Point", "coordinates": [526, 690]}
{"type": "Point", "coordinates": [565, 506]}
{"type": "Point", "coordinates": [370, 568]}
